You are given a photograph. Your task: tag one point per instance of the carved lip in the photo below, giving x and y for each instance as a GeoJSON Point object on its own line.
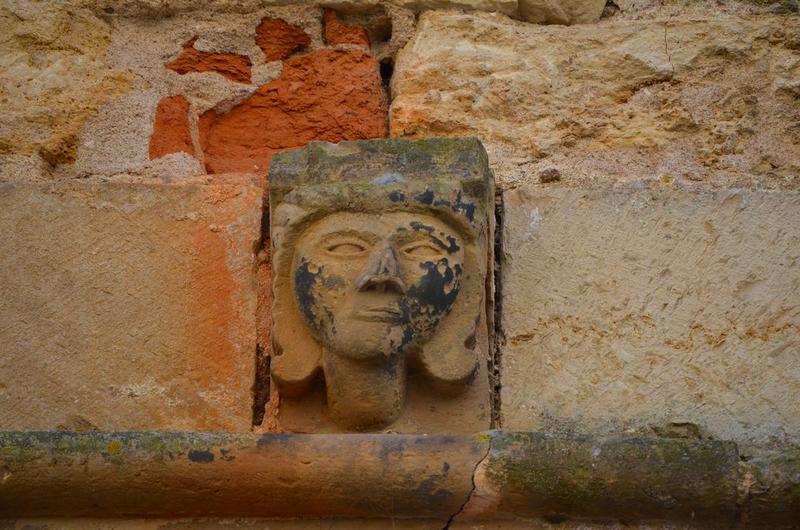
{"type": "Point", "coordinates": [379, 314]}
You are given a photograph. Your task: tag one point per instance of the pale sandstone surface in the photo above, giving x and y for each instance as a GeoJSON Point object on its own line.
{"type": "Point", "coordinates": [561, 11]}
{"type": "Point", "coordinates": [650, 307]}
{"type": "Point", "coordinates": [53, 77]}
{"type": "Point", "coordinates": [128, 306]}
{"type": "Point", "coordinates": [644, 9]}
{"type": "Point", "coordinates": [537, 11]}
{"type": "Point", "coordinates": [712, 99]}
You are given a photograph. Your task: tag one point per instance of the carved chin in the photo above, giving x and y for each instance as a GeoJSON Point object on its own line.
{"type": "Point", "coordinates": [366, 340]}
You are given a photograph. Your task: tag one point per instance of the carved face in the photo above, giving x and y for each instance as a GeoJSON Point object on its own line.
{"type": "Point", "coordinates": [369, 285]}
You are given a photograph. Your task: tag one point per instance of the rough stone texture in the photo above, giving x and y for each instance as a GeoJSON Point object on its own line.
{"type": "Point", "coordinates": [113, 139]}
{"type": "Point", "coordinates": [323, 95]}
{"type": "Point", "coordinates": [230, 65]}
{"type": "Point", "coordinates": [53, 76]}
{"type": "Point", "coordinates": [507, 7]}
{"type": "Point", "coordinates": [337, 32]}
{"type": "Point", "coordinates": [279, 39]}
{"type": "Point", "coordinates": [652, 307]}
{"type": "Point", "coordinates": [664, 9]}
{"type": "Point", "coordinates": [128, 306]}
{"type": "Point", "coordinates": [712, 99]}
{"type": "Point", "coordinates": [153, 9]}
{"type": "Point", "coordinates": [561, 11]}
{"type": "Point", "coordinates": [157, 8]}
{"type": "Point", "coordinates": [634, 479]}
{"type": "Point", "coordinates": [83, 99]}
{"type": "Point", "coordinates": [171, 133]}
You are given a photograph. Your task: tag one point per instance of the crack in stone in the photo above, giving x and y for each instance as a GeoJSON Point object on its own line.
{"type": "Point", "coordinates": [666, 49]}
{"type": "Point", "coordinates": [452, 518]}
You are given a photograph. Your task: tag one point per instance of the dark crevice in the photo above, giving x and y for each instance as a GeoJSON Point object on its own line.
{"type": "Point", "coordinates": [495, 361]}
{"type": "Point", "coordinates": [387, 69]}
{"type": "Point", "coordinates": [261, 385]}
{"type": "Point", "coordinates": [611, 9]}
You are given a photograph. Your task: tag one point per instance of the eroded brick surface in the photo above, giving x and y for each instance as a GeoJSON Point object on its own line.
{"type": "Point", "coordinates": [233, 66]}
{"type": "Point", "coordinates": [171, 132]}
{"type": "Point", "coordinates": [328, 95]}
{"type": "Point", "coordinates": [337, 32]}
{"type": "Point", "coordinates": [279, 39]}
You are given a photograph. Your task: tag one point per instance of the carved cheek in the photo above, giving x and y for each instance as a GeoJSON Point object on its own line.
{"type": "Point", "coordinates": [306, 278]}
{"type": "Point", "coordinates": [433, 294]}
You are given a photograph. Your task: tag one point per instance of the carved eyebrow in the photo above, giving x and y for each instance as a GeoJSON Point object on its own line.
{"type": "Point", "coordinates": [368, 237]}
{"type": "Point", "coordinates": [449, 244]}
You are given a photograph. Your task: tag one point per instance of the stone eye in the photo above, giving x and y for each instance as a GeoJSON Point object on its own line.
{"type": "Point", "coordinates": [346, 249]}
{"type": "Point", "coordinates": [421, 249]}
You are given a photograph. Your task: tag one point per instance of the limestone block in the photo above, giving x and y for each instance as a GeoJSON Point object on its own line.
{"type": "Point", "coordinates": [561, 11]}
{"type": "Point", "coordinates": [711, 99]}
{"type": "Point", "coordinates": [654, 308]}
{"type": "Point", "coordinates": [128, 306]}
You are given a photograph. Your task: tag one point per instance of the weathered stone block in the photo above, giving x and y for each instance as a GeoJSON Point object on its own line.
{"type": "Point", "coordinates": [711, 99]}
{"type": "Point", "coordinates": [382, 252]}
{"type": "Point", "coordinates": [128, 306]}
{"type": "Point", "coordinates": [54, 75]}
{"type": "Point", "coordinates": [561, 11]}
{"type": "Point", "coordinates": [652, 306]}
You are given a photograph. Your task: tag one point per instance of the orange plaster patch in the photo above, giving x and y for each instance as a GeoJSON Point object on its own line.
{"type": "Point", "coordinates": [337, 32]}
{"type": "Point", "coordinates": [328, 95]}
{"type": "Point", "coordinates": [171, 128]}
{"type": "Point", "coordinates": [278, 39]}
{"type": "Point", "coordinates": [233, 66]}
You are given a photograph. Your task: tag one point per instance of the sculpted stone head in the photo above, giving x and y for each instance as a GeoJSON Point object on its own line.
{"type": "Point", "coordinates": [371, 285]}
{"type": "Point", "coordinates": [380, 256]}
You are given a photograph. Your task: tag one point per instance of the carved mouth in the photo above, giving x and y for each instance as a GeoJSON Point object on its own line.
{"type": "Point", "coordinates": [379, 314]}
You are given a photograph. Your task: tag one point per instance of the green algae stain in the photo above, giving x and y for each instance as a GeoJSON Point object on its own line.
{"type": "Point", "coordinates": [114, 447]}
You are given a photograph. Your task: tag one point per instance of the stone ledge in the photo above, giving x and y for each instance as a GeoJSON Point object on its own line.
{"type": "Point", "coordinates": [490, 474]}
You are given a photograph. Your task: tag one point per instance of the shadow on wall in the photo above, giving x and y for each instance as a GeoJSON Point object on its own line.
{"type": "Point", "coordinates": [334, 94]}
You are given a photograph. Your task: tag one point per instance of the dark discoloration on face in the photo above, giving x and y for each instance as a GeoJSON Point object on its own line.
{"type": "Point", "coordinates": [367, 286]}
{"type": "Point", "coordinates": [433, 296]}
{"type": "Point", "coordinates": [304, 283]}
{"type": "Point", "coordinates": [467, 209]}
{"type": "Point", "coordinates": [426, 197]}
{"type": "Point", "coordinates": [201, 457]}
{"type": "Point", "coordinates": [451, 247]}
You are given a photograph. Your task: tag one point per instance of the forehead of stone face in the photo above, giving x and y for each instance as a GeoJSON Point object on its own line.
{"type": "Point", "coordinates": [447, 175]}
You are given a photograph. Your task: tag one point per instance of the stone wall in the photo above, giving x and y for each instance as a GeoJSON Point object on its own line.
{"type": "Point", "coordinates": [647, 161]}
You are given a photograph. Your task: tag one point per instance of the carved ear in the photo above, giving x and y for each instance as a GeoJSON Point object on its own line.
{"type": "Point", "coordinates": [450, 356]}
{"type": "Point", "coordinates": [297, 356]}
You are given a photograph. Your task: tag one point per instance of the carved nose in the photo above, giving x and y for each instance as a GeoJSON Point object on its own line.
{"type": "Point", "coordinates": [382, 273]}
